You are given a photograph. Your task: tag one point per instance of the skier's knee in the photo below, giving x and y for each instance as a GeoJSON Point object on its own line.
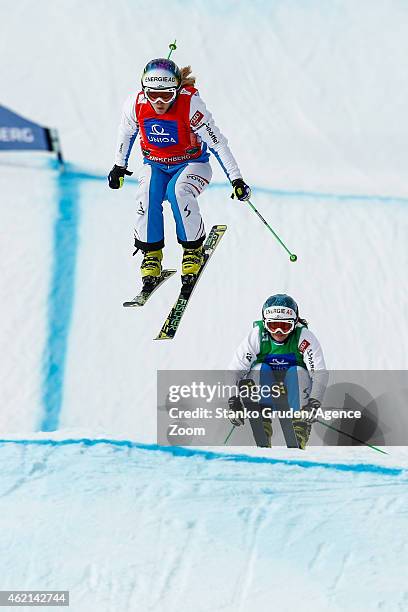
{"type": "Point", "coordinates": [183, 191]}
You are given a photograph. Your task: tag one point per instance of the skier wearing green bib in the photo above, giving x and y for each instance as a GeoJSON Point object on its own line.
{"type": "Point", "coordinates": [282, 341]}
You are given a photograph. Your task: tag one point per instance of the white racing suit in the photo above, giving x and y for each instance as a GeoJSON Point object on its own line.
{"type": "Point", "coordinates": [179, 183]}
{"type": "Point", "coordinates": [298, 363]}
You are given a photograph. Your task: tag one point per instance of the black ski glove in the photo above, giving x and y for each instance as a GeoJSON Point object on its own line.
{"type": "Point", "coordinates": [242, 191]}
{"type": "Point", "coordinates": [312, 407]}
{"type": "Point", "coordinates": [235, 403]}
{"type": "Point", "coordinates": [235, 406]}
{"type": "Point", "coordinates": [245, 386]}
{"type": "Point", "coordinates": [117, 176]}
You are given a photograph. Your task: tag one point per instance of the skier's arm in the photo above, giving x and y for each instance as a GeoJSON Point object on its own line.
{"type": "Point", "coordinates": [241, 363]}
{"type": "Point", "coordinates": [127, 132]}
{"type": "Point", "coordinates": [245, 355]}
{"type": "Point", "coordinates": [202, 123]}
{"type": "Point", "coordinates": [313, 358]}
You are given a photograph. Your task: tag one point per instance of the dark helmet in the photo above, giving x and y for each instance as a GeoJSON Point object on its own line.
{"type": "Point", "coordinates": [280, 306]}
{"type": "Point", "coordinates": [161, 73]}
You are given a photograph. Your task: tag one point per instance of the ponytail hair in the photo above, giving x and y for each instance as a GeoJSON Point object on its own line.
{"type": "Point", "coordinates": [303, 322]}
{"type": "Point", "coordinates": [187, 80]}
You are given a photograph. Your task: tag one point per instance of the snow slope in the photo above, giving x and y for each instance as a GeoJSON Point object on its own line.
{"type": "Point", "coordinates": [313, 99]}
{"type": "Point", "coordinates": [223, 534]}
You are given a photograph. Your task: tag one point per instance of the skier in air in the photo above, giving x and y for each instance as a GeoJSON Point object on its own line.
{"type": "Point", "coordinates": [282, 341]}
{"type": "Point", "coordinates": [176, 134]}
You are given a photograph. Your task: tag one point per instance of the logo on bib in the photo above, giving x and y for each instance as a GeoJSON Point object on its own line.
{"type": "Point", "coordinates": [280, 362]}
{"type": "Point", "coordinates": [162, 133]}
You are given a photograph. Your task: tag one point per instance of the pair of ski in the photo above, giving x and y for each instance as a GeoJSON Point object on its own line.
{"type": "Point", "coordinates": [171, 324]}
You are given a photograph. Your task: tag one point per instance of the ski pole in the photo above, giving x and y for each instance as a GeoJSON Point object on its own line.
{"type": "Point", "coordinates": [172, 47]}
{"type": "Point", "coordinates": [292, 256]}
{"type": "Point", "coordinates": [229, 435]}
{"type": "Point", "coordinates": [352, 437]}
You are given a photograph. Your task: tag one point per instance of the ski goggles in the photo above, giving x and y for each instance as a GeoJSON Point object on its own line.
{"type": "Point", "coordinates": [160, 95]}
{"type": "Point", "coordinates": [276, 325]}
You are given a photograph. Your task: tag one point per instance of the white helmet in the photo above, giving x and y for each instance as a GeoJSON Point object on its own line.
{"type": "Point", "coordinates": [161, 74]}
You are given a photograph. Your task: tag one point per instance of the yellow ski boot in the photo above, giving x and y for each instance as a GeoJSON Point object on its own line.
{"type": "Point", "coordinates": [151, 267]}
{"type": "Point", "coordinates": [193, 259]}
{"type": "Point", "coordinates": [302, 431]}
{"type": "Point", "coordinates": [267, 427]}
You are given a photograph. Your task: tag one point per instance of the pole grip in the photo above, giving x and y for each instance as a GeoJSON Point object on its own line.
{"type": "Point", "coordinates": [172, 47]}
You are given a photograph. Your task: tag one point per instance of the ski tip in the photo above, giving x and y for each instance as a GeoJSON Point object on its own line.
{"type": "Point", "coordinates": [147, 291]}
{"type": "Point", "coordinates": [163, 336]}
{"type": "Point", "coordinates": [132, 303]}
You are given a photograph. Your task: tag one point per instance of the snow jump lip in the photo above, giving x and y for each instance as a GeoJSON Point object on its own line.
{"type": "Point", "coordinates": [180, 451]}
